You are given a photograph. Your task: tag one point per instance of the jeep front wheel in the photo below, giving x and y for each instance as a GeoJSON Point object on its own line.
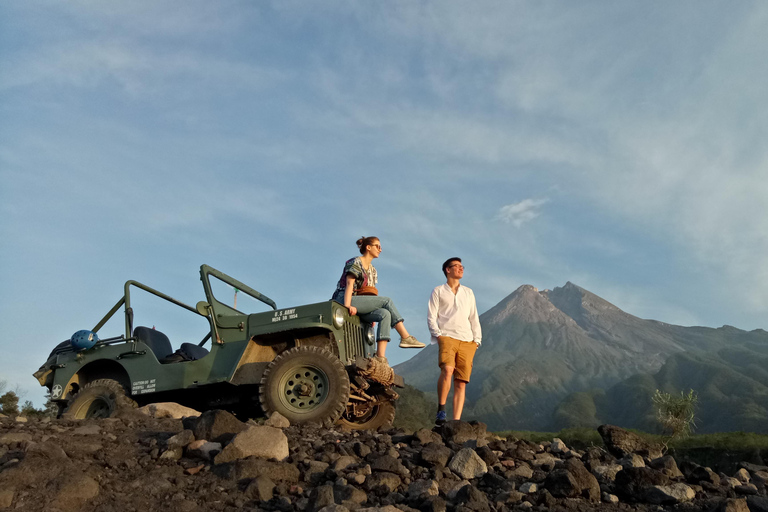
{"type": "Point", "coordinates": [102, 398]}
{"type": "Point", "coordinates": [369, 416]}
{"type": "Point", "coordinates": [306, 385]}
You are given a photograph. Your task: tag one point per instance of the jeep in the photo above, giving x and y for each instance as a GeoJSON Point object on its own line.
{"type": "Point", "coordinates": [312, 364]}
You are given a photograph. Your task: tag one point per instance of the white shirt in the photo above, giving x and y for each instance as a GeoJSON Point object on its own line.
{"type": "Point", "coordinates": [453, 315]}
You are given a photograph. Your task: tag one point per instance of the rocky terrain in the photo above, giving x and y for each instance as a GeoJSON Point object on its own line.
{"type": "Point", "coordinates": [138, 462]}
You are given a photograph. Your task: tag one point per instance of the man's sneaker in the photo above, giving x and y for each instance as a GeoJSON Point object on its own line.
{"type": "Point", "coordinates": [441, 418]}
{"type": "Point", "coordinates": [411, 342]}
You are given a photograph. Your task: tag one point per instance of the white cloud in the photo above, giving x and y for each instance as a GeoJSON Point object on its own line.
{"type": "Point", "coordinates": [518, 214]}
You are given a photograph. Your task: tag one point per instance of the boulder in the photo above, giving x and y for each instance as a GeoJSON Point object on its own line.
{"type": "Point", "coordinates": [667, 465]}
{"type": "Point", "coordinates": [620, 442]}
{"type": "Point", "coordinates": [742, 475]}
{"type": "Point", "coordinates": [669, 494]}
{"type": "Point", "coordinates": [260, 488]}
{"type": "Point", "coordinates": [390, 464]}
{"type": "Point", "coordinates": [757, 503]}
{"type": "Point", "coordinates": [435, 454]}
{"type": "Point", "coordinates": [529, 488]}
{"type": "Point", "coordinates": [422, 489]}
{"type": "Point", "coordinates": [735, 505]}
{"type": "Point", "coordinates": [277, 420]}
{"type": "Point", "coordinates": [255, 441]}
{"type": "Point", "coordinates": [217, 426]}
{"type": "Point", "coordinates": [181, 439]}
{"type": "Point", "coordinates": [558, 446]}
{"type": "Point", "coordinates": [459, 432]}
{"type": "Point", "coordinates": [468, 464]}
{"type": "Point", "coordinates": [606, 474]}
{"type": "Point", "coordinates": [633, 483]}
{"type": "Point", "coordinates": [390, 482]}
{"type": "Point", "coordinates": [74, 491]}
{"type": "Point", "coordinates": [573, 481]}
{"type": "Point", "coordinates": [168, 410]}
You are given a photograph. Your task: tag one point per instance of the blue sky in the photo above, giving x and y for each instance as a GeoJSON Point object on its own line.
{"type": "Point", "coordinates": [618, 145]}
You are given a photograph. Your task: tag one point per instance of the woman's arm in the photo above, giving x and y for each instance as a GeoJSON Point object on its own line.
{"type": "Point", "coordinates": [348, 294]}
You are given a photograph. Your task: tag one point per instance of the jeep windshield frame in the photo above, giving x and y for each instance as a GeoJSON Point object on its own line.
{"type": "Point", "coordinates": [220, 308]}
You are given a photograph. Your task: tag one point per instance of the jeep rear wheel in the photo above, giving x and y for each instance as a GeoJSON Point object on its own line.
{"type": "Point", "coordinates": [369, 416]}
{"type": "Point", "coordinates": [102, 398]}
{"type": "Point", "coordinates": [306, 385]}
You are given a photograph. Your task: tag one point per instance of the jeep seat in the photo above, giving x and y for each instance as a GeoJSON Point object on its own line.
{"type": "Point", "coordinates": [155, 340]}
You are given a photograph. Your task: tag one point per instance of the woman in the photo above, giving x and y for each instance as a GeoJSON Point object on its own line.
{"type": "Point", "coordinates": [359, 275]}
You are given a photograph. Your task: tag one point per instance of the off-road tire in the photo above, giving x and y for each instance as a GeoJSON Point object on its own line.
{"type": "Point", "coordinates": [380, 415]}
{"type": "Point", "coordinates": [306, 385]}
{"type": "Point", "coordinates": [102, 398]}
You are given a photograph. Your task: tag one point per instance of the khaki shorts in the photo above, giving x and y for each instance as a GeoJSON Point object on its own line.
{"type": "Point", "coordinates": [458, 354]}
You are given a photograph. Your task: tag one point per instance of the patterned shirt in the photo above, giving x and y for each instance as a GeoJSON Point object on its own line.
{"type": "Point", "coordinates": [362, 278]}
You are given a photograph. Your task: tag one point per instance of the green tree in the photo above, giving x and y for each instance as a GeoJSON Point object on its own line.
{"type": "Point", "coordinates": [9, 403]}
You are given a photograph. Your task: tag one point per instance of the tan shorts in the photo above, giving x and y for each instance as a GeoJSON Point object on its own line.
{"type": "Point", "coordinates": [458, 354]}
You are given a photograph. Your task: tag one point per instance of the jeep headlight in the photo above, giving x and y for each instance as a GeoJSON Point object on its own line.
{"type": "Point", "coordinates": [370, 335]}
{"type": "Point", "coordinates": [338, 318]}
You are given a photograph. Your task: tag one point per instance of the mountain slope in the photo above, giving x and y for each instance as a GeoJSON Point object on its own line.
{"type": "Point", "coordinates": [540, 347]}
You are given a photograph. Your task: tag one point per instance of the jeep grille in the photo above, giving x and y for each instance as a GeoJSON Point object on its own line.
{"type": "Point", "coordinates": [354, 341]}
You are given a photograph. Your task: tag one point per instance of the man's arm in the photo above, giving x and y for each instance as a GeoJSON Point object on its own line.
{"type": "Point", "coordinates": [474, 321]}
{"type": "Point", "coordinates": [434, 307]}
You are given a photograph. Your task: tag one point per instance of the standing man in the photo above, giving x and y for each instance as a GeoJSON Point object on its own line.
{"type": "Point", "coordinates": [455, 327]}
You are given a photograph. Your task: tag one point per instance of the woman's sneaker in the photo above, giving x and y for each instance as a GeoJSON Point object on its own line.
{"type": "Point", "coordinates": [411, 342]}
{"type": "Point", "coordinates": [441, 418]}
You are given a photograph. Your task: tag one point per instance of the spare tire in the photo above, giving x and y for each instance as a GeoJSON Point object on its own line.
{"type": "Point", "coordinates": [102, 398]}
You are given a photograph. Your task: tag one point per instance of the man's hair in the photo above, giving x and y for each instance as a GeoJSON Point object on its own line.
{"type": "Point", "coordinates": [448, 263]}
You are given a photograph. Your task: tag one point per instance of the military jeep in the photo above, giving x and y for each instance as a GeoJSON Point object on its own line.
{"type": "Point", "coordinates": [312, 364]}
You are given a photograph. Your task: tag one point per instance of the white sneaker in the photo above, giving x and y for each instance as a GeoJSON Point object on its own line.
{"type": "Point", "coordinates": [411, 342]}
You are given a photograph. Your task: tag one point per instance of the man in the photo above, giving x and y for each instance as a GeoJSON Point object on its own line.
{"type": "Point", "coordinates": [455, 327]}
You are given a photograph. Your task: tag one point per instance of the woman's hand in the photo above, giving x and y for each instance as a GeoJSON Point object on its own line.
{"type": "Point", "coordinates": [352, 310]}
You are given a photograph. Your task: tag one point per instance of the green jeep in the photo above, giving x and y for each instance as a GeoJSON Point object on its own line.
{"type": "Point", "coordinates": [312, 364]}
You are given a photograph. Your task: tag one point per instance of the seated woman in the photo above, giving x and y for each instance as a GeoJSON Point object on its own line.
{"type": "Point", "coordinates": [357, 291]}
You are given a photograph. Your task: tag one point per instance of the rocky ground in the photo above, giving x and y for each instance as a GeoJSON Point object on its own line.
{"type": "Point", "coordinates": [215, 462]}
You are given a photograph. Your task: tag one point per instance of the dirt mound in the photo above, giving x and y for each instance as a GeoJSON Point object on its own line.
{"type": "Point", "coordinates": [215, 462]}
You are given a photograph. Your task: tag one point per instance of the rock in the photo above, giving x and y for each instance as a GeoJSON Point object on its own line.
{"type": "Point", "coordinates": [757, 503]}
{"type": "Point", "coordinates": [558, 446]}
{"type": "Point", "coordinates": [435, 454]}
{"type": "Point", "coordinates": [422, 489]}
{"type": "Point", "coordinates": [390, 464]}
{"type": "Point", "coordinates": [509, 497]}
{"type": "Point", "coordinates": [632, 460]}
{"type": "Point", "coordinates": [181, 439]}
{"type": "Point", "coordinates": [760, 478]}
{"type": "Point", "coordinates": [74, 491]}
{"type": "Point", "coordinates": [488, 456]}
{"type": "Point", "coordinates": [344, 462]}
{"type": "Point", "coordinates": [633, 483]}
{"type": "Point", "coordinates": [734, 505]}
{"type": "Point", "coordinates": [168, 410]}
{"type": "Point", "coordinates": [459, 432]}
{"type": "Point", "coordinates": [606, 474]}
{"type": "Point", "coordinates": [390, 482]}
{"type": "Point", "coordinates": [255, 467]}
{"type": "Point", "coordinates": [729, 482]}
{"type": "Point", "coordinates": [620, 442]}
{"type": "Point", "coordinates": [610, 498]}
{"type": "Point", "coordinates": [172, 453]}
{"type": "Point", "coordinates": [750, 489]}
{"type": "Point", "coordinates": [47, 450]}
{"type": "Point", "coordinates": [427, 436]}
{"type": "Point", "coordinates": [473, 499]}
{"type": "Point", "coordinates": [349, 494]}
{"type": "Point", "coordinates": [523, 471]}
{"type": "Point", "coordinates": [255, 441]}
{"type": "Point", "coordinates": [6, 498]}
{"type": "Point", "coordinates": [277, 420]}
{"type": "Point", "coordinates": [203, 449]}
{"type": "Point", "coordinates": [467, 464]}
{"type": "Point", "coordinates": [87, 430]}
{"type": "Point", "coordinates": [321, 496]}
{"type": "Point", "coordinates": [669, 494]}
{"type": "Point", "coordinates": [573, 481]}
{"type": "Point", "coordinates": [742, 475]}
{"type": "Point", "coordinates": [529, 488]}
{"type": "Point", "coordinates": [667, 465]}
{"type": "Point", "coordinates": [260, 488]}
{"type": "Point", "coordinates": [701, 474]}
{"type": "Point", "coordinates": [217, 426]}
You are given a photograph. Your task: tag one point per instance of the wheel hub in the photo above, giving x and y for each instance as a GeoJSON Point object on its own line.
{"type": "Point", "coordinates": [304, 388]}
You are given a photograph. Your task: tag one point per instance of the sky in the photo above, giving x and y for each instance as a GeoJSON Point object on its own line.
{"type": "Point", "coordinates": [617, 145]}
